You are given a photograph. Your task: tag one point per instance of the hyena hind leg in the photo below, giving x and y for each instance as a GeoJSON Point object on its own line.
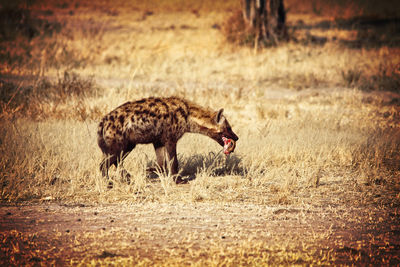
{"type": "Point", "coordinates": [124, 173]}
{"type": "Point", "coordinates": [106, 164]}
{"type": "Point", "coordinates": [126, 176]}
{"type": "Point", "coordinates": [117, 161]}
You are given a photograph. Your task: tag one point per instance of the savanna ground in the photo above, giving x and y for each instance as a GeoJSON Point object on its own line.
{"type": "Point", "coordinates": [315, 175]}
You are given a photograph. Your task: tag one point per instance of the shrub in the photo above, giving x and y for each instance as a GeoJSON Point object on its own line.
{"type": "Point", "coordinates": [16, 21]}
{"type": "Point", "coordinates": [351, 77]}
{"type": "Point", "coordinates": [29, 99]}
{"type": "Point", "coordinates": [235, 31]}
{"type": "Point", "coordinates": [387, 79]}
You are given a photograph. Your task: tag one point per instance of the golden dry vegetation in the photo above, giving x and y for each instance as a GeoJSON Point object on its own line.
{"type": "Point", "coordinates": [315, 175]}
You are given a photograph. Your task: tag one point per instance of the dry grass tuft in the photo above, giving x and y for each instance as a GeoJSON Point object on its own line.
{"type": "Point", "coordinates": [385, 78]}
{"type": "Point", "coordinates": [378, 158]}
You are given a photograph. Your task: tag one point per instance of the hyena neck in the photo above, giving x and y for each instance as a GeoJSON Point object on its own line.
{"type": "Point", "coordinates": [201, 120]}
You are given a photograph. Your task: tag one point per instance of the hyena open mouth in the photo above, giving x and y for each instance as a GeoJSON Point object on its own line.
{"type": "Point", "coordinates": [229, 145]}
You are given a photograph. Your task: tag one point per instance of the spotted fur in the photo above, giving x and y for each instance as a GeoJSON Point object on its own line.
{"type": "Point", "coordinates": [158, 121]}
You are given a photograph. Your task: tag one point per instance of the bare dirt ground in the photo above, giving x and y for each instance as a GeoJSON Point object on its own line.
{"type": "Point", "coordinates": [333, 232]}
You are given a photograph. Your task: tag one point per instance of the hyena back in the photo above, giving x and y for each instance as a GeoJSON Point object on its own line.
{"type": "Point", "coordinates": [158, 121]}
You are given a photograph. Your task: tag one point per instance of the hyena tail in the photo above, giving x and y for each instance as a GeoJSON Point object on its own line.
{"type": "Point", "coordinates": [100, 139]}
{"type": "Point", "coordinates": [103, 146]}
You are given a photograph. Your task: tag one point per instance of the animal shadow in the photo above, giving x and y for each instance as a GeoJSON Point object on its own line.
{"type": "Point", "coordinates": [213, 164]}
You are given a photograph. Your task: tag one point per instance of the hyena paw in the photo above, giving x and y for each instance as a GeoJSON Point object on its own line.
{"type": "Point", "coordinates": [126, 177]}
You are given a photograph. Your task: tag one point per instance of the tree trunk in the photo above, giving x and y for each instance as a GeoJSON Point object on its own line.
{"type": "Point", "coordinates": [267, 22]}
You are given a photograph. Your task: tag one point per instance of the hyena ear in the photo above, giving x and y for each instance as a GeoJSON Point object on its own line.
{"type": "Point", "coordinates": [219, 118]}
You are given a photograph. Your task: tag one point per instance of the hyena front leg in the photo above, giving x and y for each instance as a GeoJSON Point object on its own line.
{"type": "Point", "coordinates": [166, 157]}
{"type": "Point", "coordinates": [161, 154]}
{"type": "Point", "coordinates": [171, 153]}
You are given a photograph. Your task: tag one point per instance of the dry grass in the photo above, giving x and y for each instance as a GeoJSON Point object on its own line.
{"type": "Point", "coordinates": [310, 134]}
{"type": "Point", "coordinates": [284, 146]}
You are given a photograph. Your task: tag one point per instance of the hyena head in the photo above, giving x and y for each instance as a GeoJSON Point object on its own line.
{"type": "Point", "coordinates": [222, 128]}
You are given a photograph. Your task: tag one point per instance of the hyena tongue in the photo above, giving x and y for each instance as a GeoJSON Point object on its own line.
{"type": "Point", "coordinates": [229, 145]}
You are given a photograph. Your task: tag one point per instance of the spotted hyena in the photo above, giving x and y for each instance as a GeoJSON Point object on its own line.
{"type": "Point", "coordinates": [161, 122]}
